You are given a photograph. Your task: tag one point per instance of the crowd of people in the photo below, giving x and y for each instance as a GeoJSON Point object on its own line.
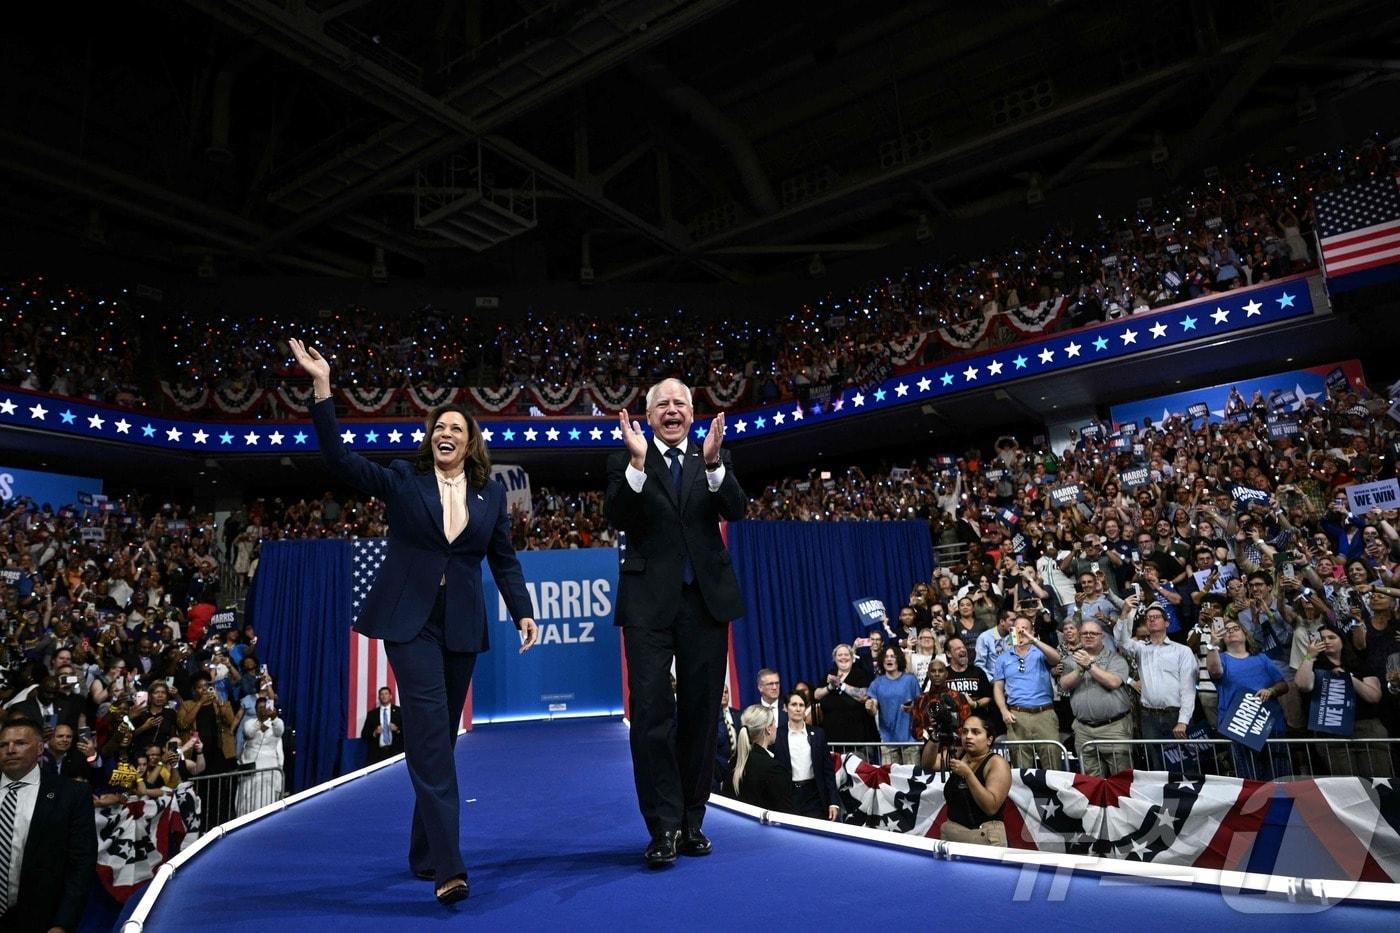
{"type": "Point", "coordinates": [1234, 228]}
{"type": "Point", "coordinates": [121, 647]}
{"type": "Point", "coordinates": [1131, 625]}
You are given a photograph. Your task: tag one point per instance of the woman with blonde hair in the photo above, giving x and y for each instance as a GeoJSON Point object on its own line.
{"type": "Point", "coordinates": [758, 777]}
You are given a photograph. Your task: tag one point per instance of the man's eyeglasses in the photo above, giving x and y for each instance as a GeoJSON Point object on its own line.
{"type": "Point", "coordinates": [1020, 665]}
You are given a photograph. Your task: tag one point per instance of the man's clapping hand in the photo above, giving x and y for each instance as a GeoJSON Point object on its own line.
{"type": "Point", "coordinates": [713, 439]}
{"type": "Point", "coordinates": [635, 440]}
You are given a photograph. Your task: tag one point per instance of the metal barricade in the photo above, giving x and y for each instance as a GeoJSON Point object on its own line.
{"type": "Point", "coordinates": [1039, 757]}
{"type": "Point", "coordinates": [1281, 758]}
{"type": "Point", "coordinates": [945, 555]}
{"type": "Point", "coordinates": [225, 796]}
{"type": "Point", "coordinates": [1040, 753]}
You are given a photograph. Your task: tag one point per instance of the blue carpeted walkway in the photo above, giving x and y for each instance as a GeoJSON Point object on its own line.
{"type": "Point", "coordinates": [552, 837]}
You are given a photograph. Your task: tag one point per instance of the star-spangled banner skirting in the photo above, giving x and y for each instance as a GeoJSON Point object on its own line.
{"type": "Point", "coordinates": [137, 837]}
{"type": "Point", "coordinates": [1208, 318]}
{"type": "Point", "coordinates": [1350, 827]}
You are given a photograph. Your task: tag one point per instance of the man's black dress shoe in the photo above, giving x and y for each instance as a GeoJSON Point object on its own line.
{"type": "Point", "coordinates": [662, 850]}
{"type": "Point", "coordinates": [694, 842]}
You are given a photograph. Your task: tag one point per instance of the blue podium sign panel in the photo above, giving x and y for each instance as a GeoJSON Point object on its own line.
{"type": "Point", "coordinates": [576, 669]}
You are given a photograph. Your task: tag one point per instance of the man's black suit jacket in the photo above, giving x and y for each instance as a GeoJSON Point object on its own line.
{"type": "Point", "coordinates": [662, 529]}
{"type": "Point", "coordinates": [822, 768]}
{"type": "Point", "coordinates": [379, 752]}
{"type": "Point", "coordinates": [60, 859]}
{"type": "Point", "coordinates": [69, 710]}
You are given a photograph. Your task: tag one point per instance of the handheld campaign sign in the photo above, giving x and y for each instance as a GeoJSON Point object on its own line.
{"type": "Point", "coordinates": [1381, 494]}
{"type": "Point", "coordinates": [1198, 410]}
{"type": "Point", "coordinates": [1066, 494]}
{"type": "Point", "coordinates": [1283, 428]}
{"type": "Point", "coordinates": [1250, 721]}
{"type": "Point", "coordinates": [1133, 478]}
{"type": "Point", "coordinates": [223, 621]}
{"type": "Point", "coordinates": [1333, 707]}
{"type": "Point", "coordinates": [1245, 496]}
{"type": "Point", "coordinates": [870, 611]}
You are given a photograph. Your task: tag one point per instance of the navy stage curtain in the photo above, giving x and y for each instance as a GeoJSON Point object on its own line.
{"type": "Point", "coordinates": [302, 618]}
{"type": "Point", "coordinates": [799, 580]}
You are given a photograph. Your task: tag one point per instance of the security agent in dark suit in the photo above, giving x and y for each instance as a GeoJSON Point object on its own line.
{"type": "Point", "coordinates": [426, 604]}
{"type": "Point", "coordinates": [48, 842]}
{"type": "Point", "coordinates": [813, 795]}
{"type": "Point", "coordinates": [676, 595]}
{"type": "Point", "coordinates": [372, 732]}
{"type": "Point", "coordinates": [726, 743]}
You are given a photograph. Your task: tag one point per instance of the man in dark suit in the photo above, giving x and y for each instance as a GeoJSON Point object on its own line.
{"type": "Point", "coordinates": [48, 842]}
{"type": "Point", "coordinates": [49, 706]}
{"type": "Point", "coordinates": [384, 720]}
{"type": "Point", "coordinates": [64, 758]}
{"type": "Point", "coordinates": [676, 594]}
{"type": "Point", "coordinates": [726, 742]}
{"type": "Point", "coordinates": [802, 751]}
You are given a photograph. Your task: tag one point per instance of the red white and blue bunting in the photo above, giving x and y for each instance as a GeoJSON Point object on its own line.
{"type": "Point", "coordinates": [1243, 312]}
{"type": "Point", "coordinates": [136, 837]}
{"type": "Point", "coordinates": [554, 398]}
{"type": "Point", "coordinates": [1205, 821]}
{"type": "Point", "coordinates": [296, 398]}
{"type": "Point", "coordinates": [615, 399]}
{"type": "Point", "coordinates": [904, 350]}
{"type": "Point", "coordinates": [964, 336]}
{"type": "Point", "coordinates": [367, 400]}
{"type": "Point", "coordinates": [426, 398]}
{"type": "Point", "coordinates": [494, 400]}
{"type": "Point", "coordinates": [725, 393]}
{"type": "Point", "coordinates": [1034, 319]}
{"type": "Point", "coordinates": [237, 399]}
{"type": "Point", "coordinates": [186, 398]}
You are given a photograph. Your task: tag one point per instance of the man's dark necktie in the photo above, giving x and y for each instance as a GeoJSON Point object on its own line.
{"type": "Point", "coordinates": [674, 455]}
{"type": "Point", "coordinates": [8, 809]}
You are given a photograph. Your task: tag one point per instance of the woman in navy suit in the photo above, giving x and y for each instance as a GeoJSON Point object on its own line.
{"type": "Point", "coordinates": [426, 604]}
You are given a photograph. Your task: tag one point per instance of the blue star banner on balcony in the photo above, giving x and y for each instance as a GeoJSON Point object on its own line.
{"type": "Point", "coordinates": [1208, 318]}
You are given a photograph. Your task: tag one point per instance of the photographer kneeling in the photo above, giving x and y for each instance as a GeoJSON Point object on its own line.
{"type": "Point", "coordinates": [976, 789]}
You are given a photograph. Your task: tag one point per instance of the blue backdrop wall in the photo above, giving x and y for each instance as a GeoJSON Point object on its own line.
{"type": "Point", "coordinates": [799, 580]}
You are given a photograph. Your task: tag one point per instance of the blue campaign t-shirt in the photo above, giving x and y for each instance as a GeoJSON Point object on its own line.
{"type": "Point", "coordinates": [893, 718]}
{"type": "Point", "coordinates": [1028, 687]}
{"type": "Point", "coordinates": [1248, 675]}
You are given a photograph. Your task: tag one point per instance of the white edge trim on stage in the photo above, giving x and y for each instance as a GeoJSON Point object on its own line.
{"type": "Point", "coordinates": [1313, 891]}
{"type": "Point", "coordinates": [136, 923]}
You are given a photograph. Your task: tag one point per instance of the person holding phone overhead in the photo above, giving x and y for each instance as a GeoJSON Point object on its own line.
{"type": "Point", "coordinates": [426, 603]}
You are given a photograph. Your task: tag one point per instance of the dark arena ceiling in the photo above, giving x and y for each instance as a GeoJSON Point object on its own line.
{"type": "Point", "coordinates": [625, 140]}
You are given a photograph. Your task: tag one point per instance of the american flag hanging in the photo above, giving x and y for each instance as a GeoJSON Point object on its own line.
{"type": "Point", "coordinates": [1359, 226]}
{"type": "Point", "coordinates": [369, 665]}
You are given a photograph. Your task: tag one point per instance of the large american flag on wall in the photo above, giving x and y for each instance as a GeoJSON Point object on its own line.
{"type": "Point", "coordinates": [1358, 226]}
{"type": "Point", "coordinates": [369, 665]}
